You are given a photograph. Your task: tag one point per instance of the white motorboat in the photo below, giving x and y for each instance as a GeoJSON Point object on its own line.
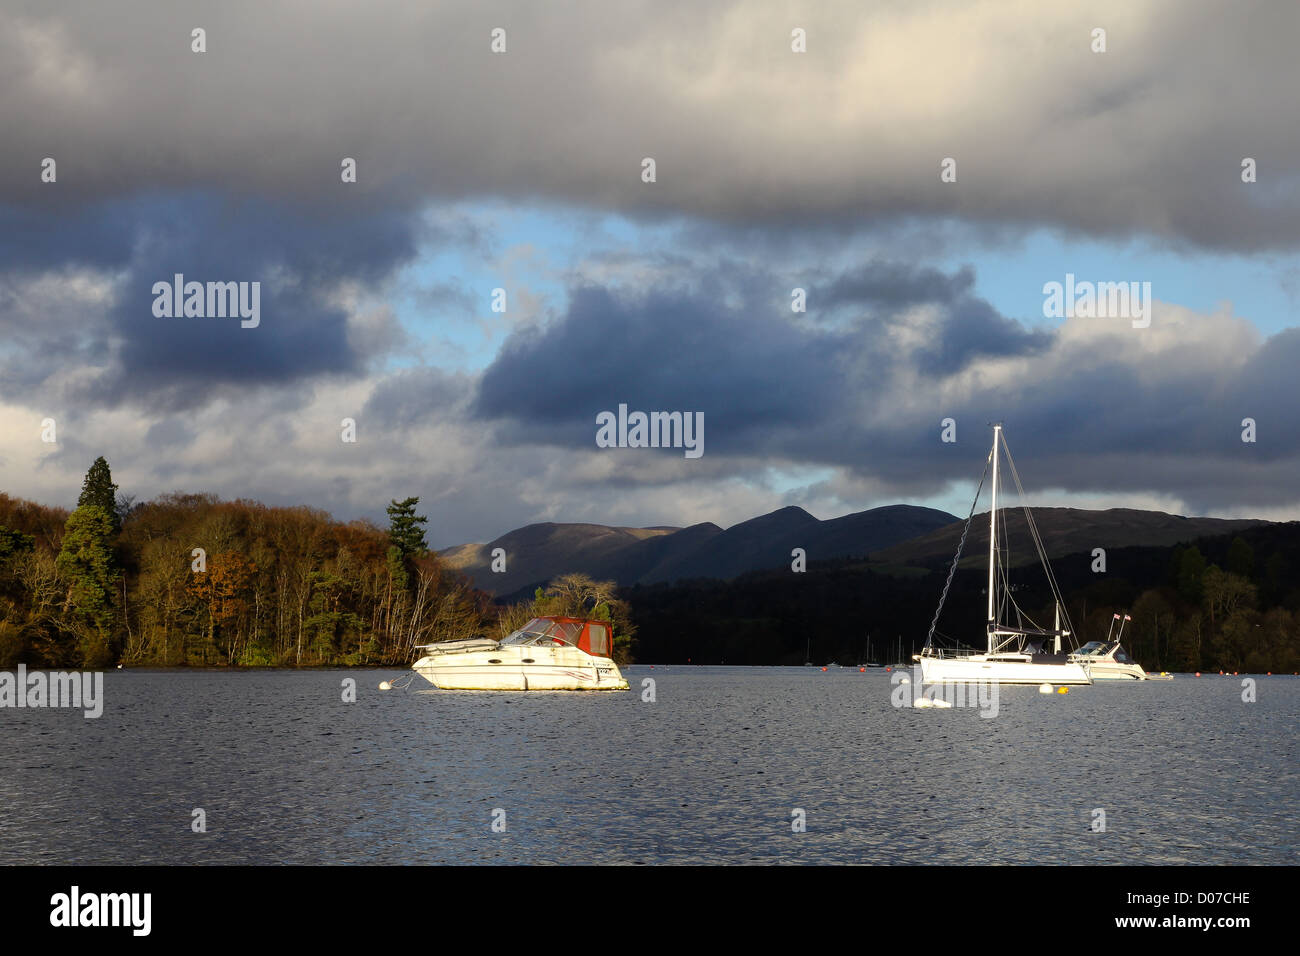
{"type": "Point", "coordinates": [1107, 660]}
{"type": "Point", "coordinates": [547, 653]}
{"type": "Point", "coordinates": [1014, 653]}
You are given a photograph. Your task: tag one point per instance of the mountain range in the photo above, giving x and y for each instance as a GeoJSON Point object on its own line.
{"type": "Point", "coordinates": [537, 553]}
{"type": "Point", "coordinates": [1063, 531]}
{"type": "Point", "coordinates": [890, 535]}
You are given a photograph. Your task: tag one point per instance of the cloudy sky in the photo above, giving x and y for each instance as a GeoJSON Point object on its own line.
{"type": "Point", "coordinates": [522, 170]}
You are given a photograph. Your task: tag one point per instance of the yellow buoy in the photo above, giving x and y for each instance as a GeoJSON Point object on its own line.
{"type": "Point", "coordinates": [1062, 690]}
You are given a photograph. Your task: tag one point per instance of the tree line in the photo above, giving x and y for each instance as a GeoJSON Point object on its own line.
{"type": "Point", "coordinates": [1228, 603]}
{"type": "Point", "coordinates": [191, 580]}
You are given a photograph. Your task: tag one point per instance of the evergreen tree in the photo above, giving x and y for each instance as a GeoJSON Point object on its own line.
{"type": "Point", "coordinates": [87, 562]}
{"type": "Point", "coordinates": [14, 542]}
{"type": "Point", "coordinates": [397, 569]}
{"type": "Point", "coordinates": [404, 528]}
{"type": "Point", "coordinates": [98, 490]}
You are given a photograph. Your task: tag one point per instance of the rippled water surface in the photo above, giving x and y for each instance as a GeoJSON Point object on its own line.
{"type": "Point", "coordinates": [711, 771]}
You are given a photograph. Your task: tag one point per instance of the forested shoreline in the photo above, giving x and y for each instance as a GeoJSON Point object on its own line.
{"type": "Point", "coordinates": [1228, 603]}
{"type": "Point", "coordinates": [191, 580]}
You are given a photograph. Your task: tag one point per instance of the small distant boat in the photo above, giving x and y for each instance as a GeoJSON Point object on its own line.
{"type": "Point", "coordinates": [547, 653]}
{"type": "Point", "coordinates": [868, 660]}
{"type": "Point", "coordinates": [1016, 652]}
{"type": "Point", "coordinates": [1107, 660]}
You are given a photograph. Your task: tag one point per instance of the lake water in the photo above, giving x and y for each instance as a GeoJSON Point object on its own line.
{"type": "Point", "coordinates": [710, 772]}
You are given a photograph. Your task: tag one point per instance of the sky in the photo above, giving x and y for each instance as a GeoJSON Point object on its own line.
{"type": "Point", "coordinates": [523, 170]}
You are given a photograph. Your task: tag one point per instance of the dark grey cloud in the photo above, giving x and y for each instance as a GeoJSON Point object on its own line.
{"type": "Point", "coordinates": [895, 284]}
{"type": "Point", "coordinates": [1144, 139]}
{"type": "Point", "coordinates": [409, 398]}
{"type": "Point", "coordinates": [37, 238]}
{"type": "Point", "coordinates": [299, 256]}
{"type": "Point", "coordinates": [1094, 410]}
{"type": "Point", "coordinates": [970, 328]}
{"type": "Point", "coordinates": [667, 349]}
{"type": "Point", "coordinates": [967, 327]}
{"type": "Point", "coordinates": [170, 433]}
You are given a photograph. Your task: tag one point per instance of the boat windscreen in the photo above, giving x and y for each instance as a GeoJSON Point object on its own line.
{"type": "Point", "coordinates": [543, 629]}
{"type": "Point", "coordinates": [537, 627]}
{"type": "Point", "coordinates": [568, 631]}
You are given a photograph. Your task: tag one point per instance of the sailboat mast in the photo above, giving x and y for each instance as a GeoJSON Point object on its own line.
{"type": "Point", "coordinates": [993, 535]}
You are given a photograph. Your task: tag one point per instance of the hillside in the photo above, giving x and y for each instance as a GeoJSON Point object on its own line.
{"type": "Point", "coordinates": [1064, 531]}
{"type": "Point", "coordinates": [538, 553]}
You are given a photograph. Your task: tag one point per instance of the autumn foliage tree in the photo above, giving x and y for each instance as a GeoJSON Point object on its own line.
{"type": "Point", "coordinates": [222, 590]}
{"type": "Point", "coordinates": [277, 586]}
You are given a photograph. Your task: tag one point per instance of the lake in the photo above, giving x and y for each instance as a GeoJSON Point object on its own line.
{"type": "Point", "coordinates": [711, 771]}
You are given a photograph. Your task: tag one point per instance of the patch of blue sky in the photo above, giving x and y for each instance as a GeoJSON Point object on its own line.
{"type": "Point", "coordinates": [537, 251]}
{"type": "Point", "coordinates": [444, 298]}
{"type": "Point", "coordinates": [1263, 288]}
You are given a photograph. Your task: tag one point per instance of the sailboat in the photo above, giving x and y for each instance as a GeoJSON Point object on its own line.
{"type": "Point", "coordinates": [1013, 653]}
{"type": "Point", "coordinates": [871, 660]}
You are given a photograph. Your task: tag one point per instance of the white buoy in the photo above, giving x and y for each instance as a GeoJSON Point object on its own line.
{"type": "Point", "coordinates": [904, 680]}
{"type": "Point", "coordinates": [931, 702]}
{"type": "Point", "coordinates": [1044, 688]}
{"type": "Point", "coordinates": [386, 685]}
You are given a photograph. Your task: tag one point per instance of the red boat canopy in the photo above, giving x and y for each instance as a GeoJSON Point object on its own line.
{"type": "Point", "coordinates": [594, 637]}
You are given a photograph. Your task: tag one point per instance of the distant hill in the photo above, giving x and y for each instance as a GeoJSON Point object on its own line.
{"type": "Point", "coordinates": [1064, 531]}
{"type": "Point", "coordinates": [537, 553]}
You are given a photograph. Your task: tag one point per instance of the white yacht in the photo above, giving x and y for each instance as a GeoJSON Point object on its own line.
{"type": "Point", "coordinates": [547, 653]}
{"type": "Point", "coordinates": [1014, 653]}
{"type": "Point", "coordinates": [1107, 660]}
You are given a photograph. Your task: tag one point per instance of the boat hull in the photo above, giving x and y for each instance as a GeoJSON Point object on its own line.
{"type": "Point", "coordinates": [978, 669]}
{"type": "Point", "coordinates": [507, 669]}
{"type": "Point", "coordinates": [1114, 670]}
